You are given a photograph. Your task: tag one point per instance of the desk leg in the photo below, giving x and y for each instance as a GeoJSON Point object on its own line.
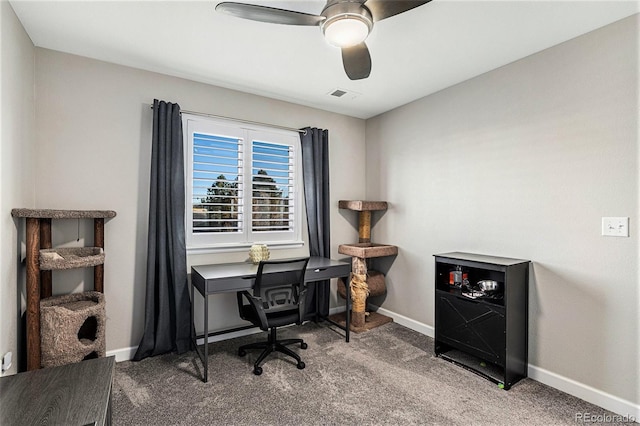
{"type": "Point", "coordinates": [348, 312]}
{"type": "Point", "coordinates": [193, 325]}
{"type": "Point", "coordinates": [347, 325]}
{"type": "Point", "coordinates": [194, 337]}
{"type": "Point", "coordinates": [206, 339]}
{"type": "Point", "coordinates": [315, 295]}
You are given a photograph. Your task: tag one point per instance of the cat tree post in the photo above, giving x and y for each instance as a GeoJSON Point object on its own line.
{"type": "Point", "coordinates": [364, 226]}
{"type": "Point", "coordinates": [359, 291]}
{"type": "Point", "coordinates": [364, 282]}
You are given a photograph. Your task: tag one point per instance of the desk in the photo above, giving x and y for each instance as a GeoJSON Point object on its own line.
{"type": "Point", "coordinates": [234, 277]}
{"type": "Point", "coordinates": [74, 395]}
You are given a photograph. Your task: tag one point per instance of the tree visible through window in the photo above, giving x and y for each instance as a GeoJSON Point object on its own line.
{"type": "Point", "coordinates": [218, 212]}
{"type": "Point", "coordinates": [271, 187]}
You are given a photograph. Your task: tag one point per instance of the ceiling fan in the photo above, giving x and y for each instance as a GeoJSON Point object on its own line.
{"type": "Point", "coordinates": [344, 23]}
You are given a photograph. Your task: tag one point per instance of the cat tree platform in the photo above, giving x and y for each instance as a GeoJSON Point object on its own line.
{"type": "Point", "coordinates": [70, 258]}
{"type": "Point", "coordinates": [367, 250]}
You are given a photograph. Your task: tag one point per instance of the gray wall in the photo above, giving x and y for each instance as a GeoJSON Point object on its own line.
{"type": "Point", "coordinates": [93, 132]}
{"type": "Point", "coordinates": [16, 165]}
{"type": "Point", "coordinates": [523, 162]}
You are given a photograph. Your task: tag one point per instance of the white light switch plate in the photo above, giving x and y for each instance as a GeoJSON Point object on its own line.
{"type": "Point", "coordinates": [615, 226]}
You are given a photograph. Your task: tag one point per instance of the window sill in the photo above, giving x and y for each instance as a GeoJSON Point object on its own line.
{"type": "Point", "coordinates": [234, 248]}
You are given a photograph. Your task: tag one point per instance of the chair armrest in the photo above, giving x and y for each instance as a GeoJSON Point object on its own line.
{"type": "Point", "coordinates": [240, 303]}
{"type": "Point", "coordinates": [302, 299]}
{"type": "Point", "coordinates": [256, 305]}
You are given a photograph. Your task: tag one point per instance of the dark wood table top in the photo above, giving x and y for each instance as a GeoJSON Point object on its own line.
{"type": "Point", "coordinates": [70, 395]}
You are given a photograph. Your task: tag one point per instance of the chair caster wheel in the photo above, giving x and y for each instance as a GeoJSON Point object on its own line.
{"type": "Point", "coordinates": [241, 352]}
{"type": "Point", "coordinates": [257, 371]}
{"type": "Point", "coordinates": [301, 365]}
{"type": "Point", "coordinates": [303, 345]}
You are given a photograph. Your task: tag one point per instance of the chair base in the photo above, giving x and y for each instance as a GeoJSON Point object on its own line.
{"type": "Point", "coordinates": [273, 345]}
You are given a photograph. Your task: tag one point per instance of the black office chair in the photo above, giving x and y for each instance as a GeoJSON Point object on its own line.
{"type": "Point", "coordinates": [278, 299]}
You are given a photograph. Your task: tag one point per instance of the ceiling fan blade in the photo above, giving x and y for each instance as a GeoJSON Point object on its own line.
{"type": "Point", "coordinates": [268, 14]}
{"type": "Point", "coordinates": [382, 9]}
{"type": "Point", "coordinates": [356, 61]}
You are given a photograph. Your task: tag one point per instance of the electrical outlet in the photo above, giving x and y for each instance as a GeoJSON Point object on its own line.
{"type": "Point", "coordinates": [6, 361]}
{"type": "Point", "coordinates": [615, 226]}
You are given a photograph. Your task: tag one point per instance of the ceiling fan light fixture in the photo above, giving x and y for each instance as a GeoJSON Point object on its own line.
{"type": "Point", "coordinates": [344, 23]}
{"type": "Point", "coordinates": [346, 30]}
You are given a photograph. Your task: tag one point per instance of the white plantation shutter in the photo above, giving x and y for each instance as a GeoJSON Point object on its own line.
{"type": "Point", "coordinates": [242, 184]}
{"type": "Point", "coordinates": [273, 186]}
{"type": "Point", "coordinates": [217, 184]}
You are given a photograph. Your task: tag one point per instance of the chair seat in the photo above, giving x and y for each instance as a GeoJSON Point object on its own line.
{"type": "Point", "coordinates": [276, 319]}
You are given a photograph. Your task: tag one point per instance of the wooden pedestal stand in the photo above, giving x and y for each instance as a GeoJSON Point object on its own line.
{"type": "Point", "coordinates": [360, 275]}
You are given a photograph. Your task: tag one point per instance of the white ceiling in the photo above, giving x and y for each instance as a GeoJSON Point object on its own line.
{"type": "Point", "coordinates": [414, 54]}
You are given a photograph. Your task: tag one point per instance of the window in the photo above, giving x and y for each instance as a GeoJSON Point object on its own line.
{"type": "Point", "coordinates": [243, 184]}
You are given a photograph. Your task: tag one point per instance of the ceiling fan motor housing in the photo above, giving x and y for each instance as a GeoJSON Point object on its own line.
{"type": "Point", "coordinates": [346, 10]}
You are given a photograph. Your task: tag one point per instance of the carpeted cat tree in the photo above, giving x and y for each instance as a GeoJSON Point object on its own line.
{"type": "Point", "coordinates": [72, 328]}
{"type": "Point", "coordinates": [364, 282]}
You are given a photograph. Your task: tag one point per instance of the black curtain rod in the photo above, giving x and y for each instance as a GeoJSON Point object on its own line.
{"type": "Point", "coordinates": [202, 114]}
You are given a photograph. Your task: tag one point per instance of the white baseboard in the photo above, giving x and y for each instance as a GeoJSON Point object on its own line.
{"type": "Point", "coordinates": [124, 354]}
{"type": "Point", "coordinates": [400, 319]}
{"type": "Point", "coordinates": [586, 392]}
{"type": "Point", "coordinates": [408, 322]}
{"type": "Point", "coordinates": [336, 310]}
{"type": "Point", "coordinates": [624, 408]}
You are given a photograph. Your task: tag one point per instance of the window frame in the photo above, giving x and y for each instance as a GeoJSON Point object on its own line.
{"type": "Point", "coordinates": [247, 134]}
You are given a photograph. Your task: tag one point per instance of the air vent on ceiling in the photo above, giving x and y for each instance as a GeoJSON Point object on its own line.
{"type": "Point", "coordinates": [343, 94]}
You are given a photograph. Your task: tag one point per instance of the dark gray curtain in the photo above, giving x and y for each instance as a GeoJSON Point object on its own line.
{"type": "Point", "coordinates": [167, 306]}
{"type": "Point", "coordinates": [315, 171]}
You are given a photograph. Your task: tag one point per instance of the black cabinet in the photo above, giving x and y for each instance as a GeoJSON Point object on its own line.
{"type": "Point", "coordinates": [485, 332]}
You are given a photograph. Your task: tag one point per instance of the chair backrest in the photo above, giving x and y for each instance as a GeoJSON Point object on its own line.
{"type": "Point", "coordinates": [280, 283]}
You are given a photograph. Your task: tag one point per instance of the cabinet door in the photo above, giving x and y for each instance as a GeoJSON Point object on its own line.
{"type": "Point", "coordinates": [470, 325]}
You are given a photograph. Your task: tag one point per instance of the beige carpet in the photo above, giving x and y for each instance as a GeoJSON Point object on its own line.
{"type": "Point", "coordinates": [386, 376]}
